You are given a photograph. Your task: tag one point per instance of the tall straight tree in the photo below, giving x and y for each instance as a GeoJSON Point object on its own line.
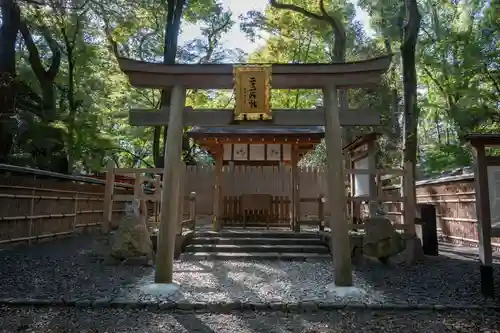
{"type": "Point", "coordinates": [8, 35]}
{"type": "Point", "coordinates": [408, 58]}
{"type": "Point", "coordinates": [172, 28]}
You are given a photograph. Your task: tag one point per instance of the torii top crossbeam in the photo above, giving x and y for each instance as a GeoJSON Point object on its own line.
{"type": "Point", "coordinates": [284, 76]}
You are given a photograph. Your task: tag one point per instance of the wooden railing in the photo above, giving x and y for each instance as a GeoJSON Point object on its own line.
{"type": "Point", "coordinates": [151, 194]}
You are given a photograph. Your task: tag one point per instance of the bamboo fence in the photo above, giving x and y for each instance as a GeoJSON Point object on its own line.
{"type": "Point", "coordinates": [38, 205]}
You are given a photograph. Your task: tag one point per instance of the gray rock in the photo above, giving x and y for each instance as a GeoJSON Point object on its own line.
{"type": "Point", "coordinates": [101, 303]}
{"type": "Point", "coordinates": [292, 307]}
{"type": "Point", "coordinates": [83, 303]}
{"type": "Point", "coordinates": [184, 306]}
{"type": "Point", "coordinates": [381, 240]}
{"type": "Point", "coordinates": [132, 238]}
{"type": "Point", "coordinates": [308, 306]}
{"type": "Point", "coordinates": [168, 305]}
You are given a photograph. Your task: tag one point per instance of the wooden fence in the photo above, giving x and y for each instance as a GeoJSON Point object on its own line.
{"type": "Point", "coordinates": [272, 181]}
{"type": "Point", "coordinates": [147, 186]}
{"type": "Point", "coordinates": [455, 201]}
{"type": "Point", "coordinates": [37, 205]}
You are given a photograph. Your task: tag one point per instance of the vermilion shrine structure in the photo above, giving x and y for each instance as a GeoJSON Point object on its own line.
{"type": "Point", "coordinates": [252, 112]}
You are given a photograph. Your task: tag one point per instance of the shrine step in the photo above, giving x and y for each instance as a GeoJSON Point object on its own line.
{"type": "Point", "coordinates": [255, 245]}
{"type": "Point", "coordinates": [257, 248]}
{"type": "Point", "coordinates": [256, 241]}
{"type": "Point", "coordinates": [248, 233]}
{"type": "Point", "coordinates": [254, 256]}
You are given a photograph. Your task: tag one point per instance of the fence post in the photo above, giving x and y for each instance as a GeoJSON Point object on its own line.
{"type": "Point", "coordinates": [192, 208]}
{"type": "Point", "coordinates": [75, 211]}
{"type": "Point", "coordinates": [321, 212]}
{"type": "Point", "coordinates": [137, 185]}
{"type": "Point", "coordinates": [426, 229]}
{"type": "Point", "coordinates": [108, 197]}
{"type": "Point", "coordinates": [32, 213]}
{"type": "Point", "coordinates": [157, 201]}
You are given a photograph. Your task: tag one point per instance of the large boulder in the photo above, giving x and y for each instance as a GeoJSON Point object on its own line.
{"type": "Point", "coordinates": [381, 240]}
{"type": "Point", "coordinates": [132, 239]}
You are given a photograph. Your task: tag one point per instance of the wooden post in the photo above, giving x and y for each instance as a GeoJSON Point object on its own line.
{"type": "Point", "coordinates": [75, 211]}
{"type": "Point", "coordinates": [484, 221]}
{"type": "Point", "coordinates": [372, 186]}
{"type": "Point", "coordinates": [216, 218]}
{"type": "Point", "coordinates": [295, 206]}
{"type": "Point", "coordinates": [108, 197]}
{"type": "Point", "coordinates": [137, 185]}
{"type": "Point", "coordinates": [157, 201]}
{"type": "Point", "coordinates": [168, 214]}
{"type": "Point", "coordinates": [409, 211]}
{"type": "Point", "coordinates": [352, 203]}
{"type": "Point", "coordinates": [336, 190]}
{"type": "Point", "coordinates": [32, 213]}
{"type": "Point", "coordinates": [321, 212]}
{"type": "Point", "coordinates": [192, 208]}
{"type": "Point", "coordinates": [180, 200]}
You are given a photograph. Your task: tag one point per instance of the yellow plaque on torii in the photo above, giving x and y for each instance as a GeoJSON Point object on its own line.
{"type": "Point", "coordinates": [252, 92]}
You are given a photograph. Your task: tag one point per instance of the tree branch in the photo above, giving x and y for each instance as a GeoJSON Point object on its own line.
{"type": "Point", "coordinates": [435, 81]}
{"type": "Point", "coordinates": [296, 9]}
{"type": "Point", "coordinates": [339, 47]}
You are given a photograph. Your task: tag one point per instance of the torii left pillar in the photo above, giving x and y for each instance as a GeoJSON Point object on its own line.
{"type": "Point", "coordinates": [170, 199]}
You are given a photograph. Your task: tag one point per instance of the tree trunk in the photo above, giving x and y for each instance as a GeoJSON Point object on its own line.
{"type": "Point", "coordinates": [8, 36]}
{"type": "Point", "coordinates": [172, 29]}
{"type": "Point", "coordinates": [411, 110]}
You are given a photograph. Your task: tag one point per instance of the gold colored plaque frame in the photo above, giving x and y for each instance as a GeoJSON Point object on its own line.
{"type": "Point", "coordinates": [241, 110]}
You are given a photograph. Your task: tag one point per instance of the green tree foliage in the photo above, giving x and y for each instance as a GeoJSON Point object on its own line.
{"type": "Point", "coordinates": [64, 100]}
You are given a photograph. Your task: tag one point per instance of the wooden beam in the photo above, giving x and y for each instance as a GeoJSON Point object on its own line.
{"type": "Point", "coordinates": [281, 117]}
{"type": "Point", "coordinates": [284, 76]}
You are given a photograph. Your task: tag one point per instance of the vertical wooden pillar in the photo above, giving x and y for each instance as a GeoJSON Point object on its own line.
{"type": "Point", "coordinates": [372, 186]}
{"type": "Point", "coordinates": [216, 218]}
{"type": "Point", "coordinates": [108, 197]}
{"type": "Point", "coordinates": [180, 202]}
{"type": "Point", "coordinates": [484, 221]}
{"type": "Point", "coordinates": [137, 185]}
{"type": "Point", "coordinates": [295, 206]}
{"type": "Point", "coordinates": [354, 205]}
{"type": "Point", "coordinates": [336, 190]}
{"type": "Point", "coordinates": [170, 192]}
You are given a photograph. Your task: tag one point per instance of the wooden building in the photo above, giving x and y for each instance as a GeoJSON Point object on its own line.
{"type": "Point", "coordinates": [276, 150]}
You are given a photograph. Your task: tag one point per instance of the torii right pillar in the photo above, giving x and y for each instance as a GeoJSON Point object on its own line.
{"type": "Point", "coordinates": [337, 198]}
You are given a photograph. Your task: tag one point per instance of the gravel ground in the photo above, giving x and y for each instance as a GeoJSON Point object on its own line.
{"type": "Point", "coordinates": [72, 268]}
{"type": "Point", "coordinates": [69, 320]}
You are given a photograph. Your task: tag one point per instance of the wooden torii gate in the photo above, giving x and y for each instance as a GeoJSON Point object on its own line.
{"type": "Point", "coordinates": [327, 77]}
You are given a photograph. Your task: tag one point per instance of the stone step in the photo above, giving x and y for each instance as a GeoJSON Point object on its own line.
{"type": "Point", "coordinates": [254, 256]}
{"type": "Point", "coordinates": [256, 248]}
{"type": "Point", "coordinates": [256, 234]}
{"type": "Point", "coordinates": [255, 240]}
